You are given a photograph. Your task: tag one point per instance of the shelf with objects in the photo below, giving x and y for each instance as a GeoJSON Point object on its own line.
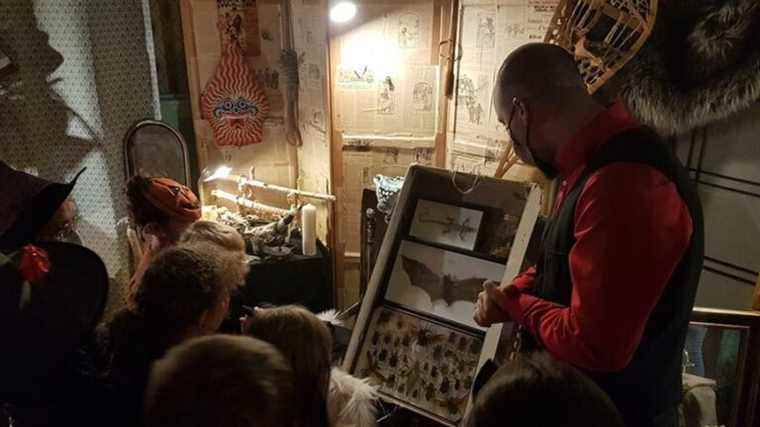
{"type": "Point", "coordinates": [288, 263]}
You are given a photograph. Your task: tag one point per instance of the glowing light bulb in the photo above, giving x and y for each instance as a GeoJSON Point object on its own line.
{"type": "Point", "coordinates": [343, 11]}
{"type": "Point", "coordinates": [221, 172]}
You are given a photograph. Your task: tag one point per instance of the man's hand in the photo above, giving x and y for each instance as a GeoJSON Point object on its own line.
{"type": "Point", "coordinates": [488, 308]}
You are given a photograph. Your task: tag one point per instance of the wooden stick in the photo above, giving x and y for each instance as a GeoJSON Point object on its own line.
{"type": "Point", "coordinates": [448, 75]}
{"type": "Point", "coordinates": [292, 133]}
{"type": "Point", "coordinates": [250, 204]}
{"type": "Point", "coordinates": [241, 180]}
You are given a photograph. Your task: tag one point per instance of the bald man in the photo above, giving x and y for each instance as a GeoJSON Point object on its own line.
{"type": "Point", "coordinates": [615, 285]}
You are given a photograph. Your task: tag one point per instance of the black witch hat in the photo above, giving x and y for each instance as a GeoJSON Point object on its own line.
{"type": "Point", "coordinates": [27, 203]}
{"type": "Point", "coordinates": [51, 294]}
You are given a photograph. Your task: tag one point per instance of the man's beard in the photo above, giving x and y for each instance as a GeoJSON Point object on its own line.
{"type": "Point", "coordinates": [545, 167]}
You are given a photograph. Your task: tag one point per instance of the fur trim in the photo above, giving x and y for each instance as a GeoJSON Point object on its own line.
{"type": "Point", "coordinates": [331, 317]}
{"type": "Point", "coordinates": [352, 401]}
{"type": "Point", "coordinates": [701, 64]}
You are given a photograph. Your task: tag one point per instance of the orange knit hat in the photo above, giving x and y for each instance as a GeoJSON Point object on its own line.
{"type": "Point", "coordinates": [175, 199]}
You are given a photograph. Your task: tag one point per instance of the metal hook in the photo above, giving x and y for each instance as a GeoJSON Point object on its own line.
{"type": "Point", "coordinates": [474, 184]}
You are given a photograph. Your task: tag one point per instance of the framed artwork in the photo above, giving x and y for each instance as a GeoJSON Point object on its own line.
{"type": "Point", "coordinates": [415, 319]}
{"type": "Point", "coordinates": [722, 368]}
{"type": "Point", "coordinates": [439, 282]}
{"type": "Point", "coordinates": [446, 224]}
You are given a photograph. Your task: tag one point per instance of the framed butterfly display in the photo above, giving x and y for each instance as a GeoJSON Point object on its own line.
{"type": "Point", "coordinates": [414, 336]}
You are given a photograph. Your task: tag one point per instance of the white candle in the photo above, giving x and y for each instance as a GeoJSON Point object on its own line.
{"type": "Point", "coordinates": [309, 229]}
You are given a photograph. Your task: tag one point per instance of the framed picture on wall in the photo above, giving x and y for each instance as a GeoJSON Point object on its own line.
{"type": "Point", "coordinates": [722, 368]}
{"type": "Point", "coordinates": [415, 327]}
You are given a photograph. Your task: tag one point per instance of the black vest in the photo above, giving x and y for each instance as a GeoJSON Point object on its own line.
{"type": "Point", "coordinates": [651, 384]}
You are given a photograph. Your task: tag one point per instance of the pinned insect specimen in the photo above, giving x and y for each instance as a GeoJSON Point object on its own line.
{"type": "Point", "coordinates": [393, 362]}
{"type": "Point", "coordinates": [445, 385]}
{"type": "Point", "coordinates": [391, 382]}
{"type": "Point", "coordinates": [475, 346]}
{"type": "Point", "coordinates": [406, 341]}
{"type": "Point", "coordinates": [462, 344]}
{"type": "Point", "coordinates": [453, 404]}
{"type": "Point", "coordinates": [430, 392]}
{"type": "Point", "coordinates": [424, 336]}
{"type": "Point", "coordinates": [449, 224]}
{"type": "Point", "coordinates": [438, 353]}
{"type": "Point", "coordinates": [413, 375]}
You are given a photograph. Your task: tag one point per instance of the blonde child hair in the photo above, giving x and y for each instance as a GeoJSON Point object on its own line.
{"type": "Point", "coordinates": [216, 233]}
{"type": "Point", "coordinates": [306, 343]}
{"type": "Point", "coordinates": [224, 237]}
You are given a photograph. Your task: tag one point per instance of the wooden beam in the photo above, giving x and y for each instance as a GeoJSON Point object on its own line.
{"type": "Point", "coordinates": [335, 143]}
{"type": "Point", "coordinates": [191, 63]}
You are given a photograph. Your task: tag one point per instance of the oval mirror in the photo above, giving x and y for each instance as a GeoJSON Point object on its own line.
{"type": "Point", "coordinates": [153, 148]}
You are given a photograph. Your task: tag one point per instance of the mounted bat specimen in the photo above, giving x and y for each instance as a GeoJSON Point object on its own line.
{"type": "Point", "coordinates": [441, 287]}
{"type": "Point", "coordinates": [438, 281]}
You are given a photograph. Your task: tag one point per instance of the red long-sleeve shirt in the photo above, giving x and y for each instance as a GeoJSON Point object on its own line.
{"type": "Point", "coordinates": [631, 230]}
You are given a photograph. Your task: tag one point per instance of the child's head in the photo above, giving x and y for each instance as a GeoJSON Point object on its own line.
{"type": "Point", "coordinates": [225, 237]}
{"type": "Point", "coordinates": [535, 389]}
{"type": "Point", "coordinates": [221, 380]}
{"type": "Point", "coordinates": [216, 233]}
{"type": "Point", "coordinates": [306, 343]}
{"type": "Point", "coordinates": [162, 207]}
{"type": "Point", "coordinates": [186, 289]}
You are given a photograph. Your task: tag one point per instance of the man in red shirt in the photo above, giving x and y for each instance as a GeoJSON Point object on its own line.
{"type": "Point", "coordinates": [621, 257]}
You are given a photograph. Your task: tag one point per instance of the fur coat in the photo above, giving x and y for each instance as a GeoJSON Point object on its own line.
{"type": "Point", "coordinates": [701, 64]}
{"type": "Point", "coordinates": [351, 402]}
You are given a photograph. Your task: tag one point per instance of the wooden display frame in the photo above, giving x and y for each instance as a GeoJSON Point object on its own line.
{"type": "Point", "coordinates": [438, 184]}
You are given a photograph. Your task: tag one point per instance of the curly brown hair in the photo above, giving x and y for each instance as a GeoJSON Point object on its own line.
{"type": "Point", "coordinates": [306, 343]}
{"type": "Point", "coordinates": [220, 380]}
{"type": "Point", "coordinates": [181, 284]}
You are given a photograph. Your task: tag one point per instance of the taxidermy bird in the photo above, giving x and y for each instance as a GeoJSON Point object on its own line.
{"type": "Point", "coordinates": [272, 234]}
{"type": "Point", "coordinates": [447, 287]}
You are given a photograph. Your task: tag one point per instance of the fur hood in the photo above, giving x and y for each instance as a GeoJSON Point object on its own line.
{"type": "Point", "coordinates": [701, 64]}
{"type": "Point", "coordinates": [351, 402]}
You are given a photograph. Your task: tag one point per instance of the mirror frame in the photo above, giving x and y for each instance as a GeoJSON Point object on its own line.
{"type": "Point", "coordinates": [129, 161]}
{"type": "Point", "coordinates": [746, 411]}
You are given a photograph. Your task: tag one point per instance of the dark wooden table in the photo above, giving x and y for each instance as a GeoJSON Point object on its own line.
{"type": "Point", "coordinates": [297, 279]}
